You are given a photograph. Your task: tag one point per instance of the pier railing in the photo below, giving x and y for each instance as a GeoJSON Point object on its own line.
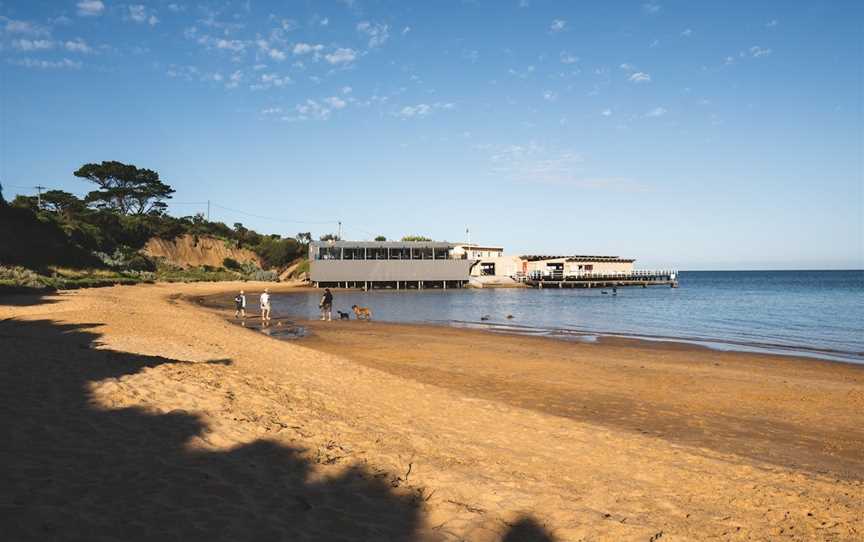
{"type": "Point", "coordinates": [590, 279]}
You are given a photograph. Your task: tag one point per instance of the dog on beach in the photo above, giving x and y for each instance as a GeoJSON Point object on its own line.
{"type": "Point", "coordinates": [362, 313]}
{"type": "Point", "coordinates": [344, 315]}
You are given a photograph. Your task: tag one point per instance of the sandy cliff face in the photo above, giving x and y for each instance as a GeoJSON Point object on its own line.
{"type": "Point", "coordinates": [187, 251]}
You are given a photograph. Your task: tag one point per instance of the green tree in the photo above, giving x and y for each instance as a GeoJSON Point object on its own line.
{"type": "Point", "coordinates": [304, 238]}
{"type": "Point", "coordinates": [415, 238]}
{"type": "Point", "coordinates": [126, 188]}
{"type": "Point", "coordinates": [240, 232]}
{"type": "Point", "coordinates": [380, 238]}
{"type": "Point", "coordinates": [329, 237]}
{"type": "Point", "coordinates": [63, 203]}
{"type": "Point", "coordinates": [2, 201]}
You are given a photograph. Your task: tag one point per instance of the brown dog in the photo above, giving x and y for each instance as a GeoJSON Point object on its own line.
{"type": "Point", "coordinates": [362, 313]}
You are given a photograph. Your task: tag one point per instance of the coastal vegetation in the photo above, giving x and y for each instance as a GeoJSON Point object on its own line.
{"type": "Point", "coordinates": [58, 240]}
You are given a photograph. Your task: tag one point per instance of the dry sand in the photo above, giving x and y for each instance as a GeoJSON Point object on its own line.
{"type": "Point", "coordinates": [133, 414]}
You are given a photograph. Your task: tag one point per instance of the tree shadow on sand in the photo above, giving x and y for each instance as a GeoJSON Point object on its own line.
{"type": "Point", "coordinates": [72, 470]}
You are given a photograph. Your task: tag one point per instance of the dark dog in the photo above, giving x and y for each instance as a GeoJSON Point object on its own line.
{"type": "Point", "coordinates": [344, 315]}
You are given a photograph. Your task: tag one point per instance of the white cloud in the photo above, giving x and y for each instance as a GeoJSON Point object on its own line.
{"type": "Point", "coordinates": [335, 102]}
{"type": "Point", "coordinates": [14, 26]}
{"type": "Point", "coordinates": [277, 55]}
{"type": "Point", "coordinates": [651, 8]}
{"type": "Point", "coordinates": [176, 8]}
{"type": "Point", "coordinates": [687, 33]}
{"type": "Point", "coordinates": [729, 60]}
{"type": "Point", "coordinates": [550, 96]}
{"type": "Point", "coordinates": [406, 30]}
{"type": "Point", "coordinates": [557, 25]}
{"type": "Point", "coordinates": [341, 56]}
{"type": "Point", "coordinates": [567, 58]}
{"type": "Point", "coordinates": [78, 45]}
{"type": "Point", "coordinates": [772, 23]}
{"type": "Point", "coordinates": [311, 109]}
{"type": "Point", "coordinates": [90, 8]}
{"type": "Point", "coordinates": [305, 48]}
{"type": "Point", "coordinates": [234, 79]}
{"type": "Point", "coordinates": [271, 111]}
{"type": "Point", "coordinates": [325, 21]}
{"type": "Point", "coordinates": [653, 44]}
{"type": "Point", "coordinates": [32, 45]}
{"type": "Point", "coordinates": [756, 52]}
{"type": "Point", "coordinates": [656, 112]}
{"type": "Point", "coordinates": [47, 64]}
{"type": "Point", "coordinates": [524, 4]}
{"type": "Point", "coordinates": [606, 112]}
{"type": "Point", "coordinates": [422, 110]}
{"type": "Point", "coordinates": [346, 90]}
{"type": "Point", "coordinates": [378, 33]}
{"type": "Point", "coordinates": [231, 45]}
{"type": "Point", "coordinates": [140, 14]}
{"type": "Point", "coordinates": [640, 77]}
{"type": "Point", "coordinates": [627, 67]}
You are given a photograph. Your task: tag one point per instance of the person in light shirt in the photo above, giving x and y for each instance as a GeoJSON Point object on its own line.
{"type": "Point", "coordinates": [265, 306]}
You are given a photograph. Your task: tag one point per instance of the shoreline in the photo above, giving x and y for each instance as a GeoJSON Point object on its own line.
{"type": "Point", "coordinates": [362, 431]}
{"type": "Point", "coordinates": [797, 352]}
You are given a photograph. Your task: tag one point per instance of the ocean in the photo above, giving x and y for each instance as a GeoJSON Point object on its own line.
{"type": "Point", "coordinates": [809, 313]}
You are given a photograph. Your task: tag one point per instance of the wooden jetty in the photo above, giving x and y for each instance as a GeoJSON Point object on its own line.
{"type": "Point", "coordinates": [643, 279]}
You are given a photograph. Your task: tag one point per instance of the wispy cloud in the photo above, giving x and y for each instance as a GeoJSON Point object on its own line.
{"type": "Point", "coordinates": [342, 55]}
{"type": "Point", "coordinates": [550, 96]}
{"type": "Point", "coordinates": [141, 14]}
{"type": "Point", "coordinates": [32, 45]}
{"type": "Point", "coordinates": [757, 51]}
{"type": "Point", "coordinates": [656, 112]}
{"type": "Point", "coordinates": [651, 8]}
{"type": "Point", "coordinates": [378, 33]}
{"type": "Point", "coordinates": [640, 77]}
{"type": "Point", "coordinates": [422, 110]}
{"type": "Point", "coordinates": [268, 80]}
{"type": "Point", "coordinates": [557, 25]}
{"type": "Point", "coordinates": [687, 32]}
{"type": "Point", "coordinates": [27, 28]}
{"type": "Point", "coordinates": [567, 58]}
{"type": "Point", "coordinates": [47, 64]}
{"type": "Point", "coordinates": [627, 67]}
{"type": "Point", "coordinates": [606, 112]}
{"type": "Point", "coordinates": [772, 23]}
{"type": "Point", "coordinates": [306, 48]}
{"type": "Point", "coordinates": [90, 8]}
{"type": "Point", "coordinates": [77, 45]}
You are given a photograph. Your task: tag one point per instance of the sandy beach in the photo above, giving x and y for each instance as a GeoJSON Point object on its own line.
{"type": "Point", "coordinates": [136, 413]}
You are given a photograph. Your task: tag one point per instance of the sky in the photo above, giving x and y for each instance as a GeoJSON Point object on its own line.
{"type": "Point", "coordinates": [688, 135]}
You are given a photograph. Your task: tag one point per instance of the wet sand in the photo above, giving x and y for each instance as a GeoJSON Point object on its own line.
{"type": "Point", "coordinates": [135, 413]}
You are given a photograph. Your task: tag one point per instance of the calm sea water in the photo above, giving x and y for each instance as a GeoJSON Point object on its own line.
{"type": "Point", "coordinates": [814, 313]}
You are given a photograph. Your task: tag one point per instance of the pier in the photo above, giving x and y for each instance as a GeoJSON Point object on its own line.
{"type": "Point", "coordinates": [603, 280]}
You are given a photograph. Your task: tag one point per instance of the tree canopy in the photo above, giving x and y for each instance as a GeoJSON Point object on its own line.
{"type": "Point", "coordinates": [126, 188]}
{"type": "Point", "coordinates": [380, 238]}
{"type": "Point", "coordinates": [415, 238]}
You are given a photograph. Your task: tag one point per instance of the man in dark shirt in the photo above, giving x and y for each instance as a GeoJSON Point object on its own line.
{"type": "Point", "coordinates": [326, 305]}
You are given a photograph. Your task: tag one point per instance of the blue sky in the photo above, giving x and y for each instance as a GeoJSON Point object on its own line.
{"type": "Point", "coordinates": [697, 135]}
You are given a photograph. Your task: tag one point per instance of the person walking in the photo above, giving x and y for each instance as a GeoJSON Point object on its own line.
{"type": "Point", "coordinates": [326, 305]}
{"type": "Point", "coordinates": [240, 305]}
{"type": "Point", "coordinates": [265, 306]}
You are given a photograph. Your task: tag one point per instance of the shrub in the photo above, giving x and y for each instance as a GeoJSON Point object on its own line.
{"type": "Point", "coordinates": [232, 264]}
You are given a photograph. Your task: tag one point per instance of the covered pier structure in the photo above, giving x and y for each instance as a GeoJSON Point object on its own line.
{"type": "Point", "coordinates": [388, 264]}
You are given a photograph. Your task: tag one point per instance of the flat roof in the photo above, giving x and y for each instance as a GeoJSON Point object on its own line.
{"type": "Point", "coordinates": [384, 244]}
{"type": "Point", "coordinates": [577, 258]}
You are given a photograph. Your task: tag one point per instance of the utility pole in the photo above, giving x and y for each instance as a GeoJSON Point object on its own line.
{"type": "Point", "coordinates": [208, 210]}
{"type": "Point", "coordinates": [339, 235]}
{"type": "Point", "coordinates": [39, 189]}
